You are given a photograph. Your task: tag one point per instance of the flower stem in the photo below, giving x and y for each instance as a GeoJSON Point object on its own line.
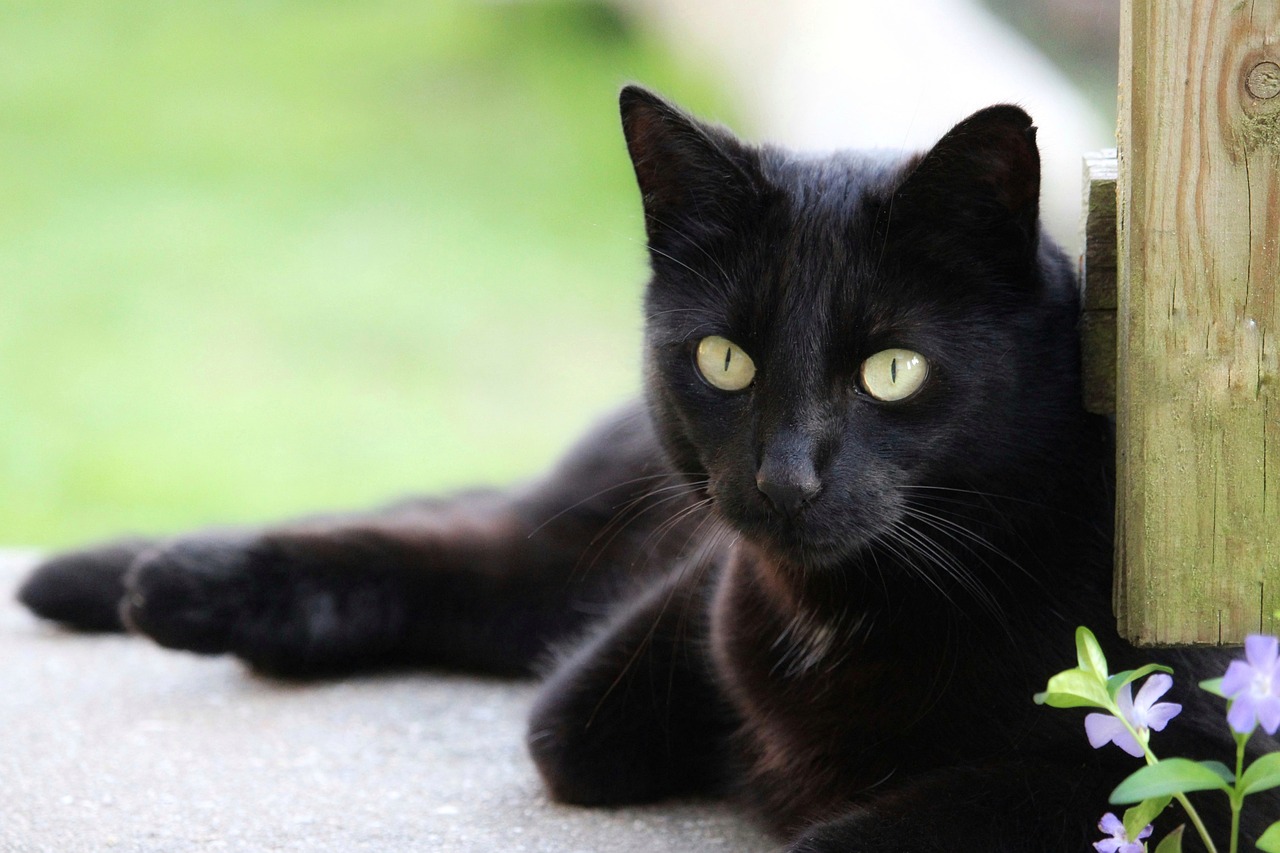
{"type": "Point", "coordinates": [1192, 814]}
{"type": "Point", "coordinates": [1197, 823]}
{"type": "Point", "coordinates": [1237, 801]}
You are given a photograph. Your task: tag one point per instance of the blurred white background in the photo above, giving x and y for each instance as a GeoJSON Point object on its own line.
{"type": "Point", "coordinates": [823, 74]}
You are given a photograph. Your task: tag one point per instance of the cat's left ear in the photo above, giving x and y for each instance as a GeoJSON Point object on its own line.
{"type": "Point", "coordinates": [695, 179]}
{"type": "Point", "coordinates": [981, 182]}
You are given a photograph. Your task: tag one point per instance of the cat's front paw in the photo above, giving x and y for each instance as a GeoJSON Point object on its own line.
{"type": "Point", "coordinates": [289, 604]}
{"type": "Point", "coordinates": [192, 593]}
{"type": "Point", "coordinates": [82, 589]}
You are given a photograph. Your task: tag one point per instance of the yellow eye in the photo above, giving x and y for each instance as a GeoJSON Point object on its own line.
{"type": "Point", "coordinates": [723, 363]}
{"type": "Point", "coordinates": [894, 374]}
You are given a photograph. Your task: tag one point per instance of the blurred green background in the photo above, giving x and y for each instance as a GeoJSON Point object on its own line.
{"type": "Point", "coordinates": [264, 258]}
{"type": "Point", "coordinates": [260, 258]}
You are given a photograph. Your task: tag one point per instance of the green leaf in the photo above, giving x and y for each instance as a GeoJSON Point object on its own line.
{"type": "Point", "coordinates": [1171, 776]}
{"type": "Point", "coordinates": [1261, 774]}
{"type": "Point", "coordinates": [1214, 686]}
{"type": "Point", "coordinates": [1120, 679]}
{"type": "Point", "coordinates": [1137, 818]}
{"type": "Point", "coordinates": [1089, 653]}
{"type": "Point", "coordinates": [1269, 841]}
{"type": "Point", "coordinates": [1084, 686]}
{"type": "Point", "coordinates": [1172, 842]}
{"type": "Point", "coordinates": [1075, 688]}
{"type": "Point", "coordinates": [1224, 772]}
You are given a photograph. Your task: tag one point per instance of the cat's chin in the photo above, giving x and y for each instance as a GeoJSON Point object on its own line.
{"type": "Point", "coordinates": [809, 544]}
{"type": "Point", "coordinates": [805, 552]}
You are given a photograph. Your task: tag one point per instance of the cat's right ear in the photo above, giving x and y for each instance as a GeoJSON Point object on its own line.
{"type": "Point", "coordinates": [695, 180]}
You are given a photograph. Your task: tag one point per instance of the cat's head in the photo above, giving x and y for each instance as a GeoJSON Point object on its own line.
{"type": "Point", "coordinates": [833, 341]}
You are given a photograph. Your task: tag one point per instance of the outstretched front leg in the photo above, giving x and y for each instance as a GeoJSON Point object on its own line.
{"type": "Point", "coordinates": [483, 581]}
{"type": "Point", "coordinates": [451, 584]}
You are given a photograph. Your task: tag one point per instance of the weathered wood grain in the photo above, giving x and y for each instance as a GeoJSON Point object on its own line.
{"type": "Point", "coordinates": [1198, 420]}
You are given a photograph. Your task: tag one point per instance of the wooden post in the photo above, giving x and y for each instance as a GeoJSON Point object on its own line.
{"type": "Point", "coordinates": [1098, 283]}
{"type": "Point", "coordinates": [1198, 322]}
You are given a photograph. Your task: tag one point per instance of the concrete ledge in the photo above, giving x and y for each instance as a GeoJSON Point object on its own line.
{"type": "Point", "coordinates": [112, 744]}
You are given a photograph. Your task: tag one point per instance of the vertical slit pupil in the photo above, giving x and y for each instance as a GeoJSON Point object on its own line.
{"type": "Point", "coordinates": [728, 354]}
{"type": "Point", "coordinates": [893, 369]}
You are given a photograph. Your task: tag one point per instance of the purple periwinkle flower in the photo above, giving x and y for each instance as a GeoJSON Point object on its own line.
{"type": "Point", "coordinates": [1119, 841]}
{"type": "Point", "coordinates": [1143, 713]}
{"type": "Point", "coordinates": [1254, 686]}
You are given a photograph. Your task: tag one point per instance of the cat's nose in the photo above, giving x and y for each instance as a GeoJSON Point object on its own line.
{"type": "Point", "coordinates": [788, 489]}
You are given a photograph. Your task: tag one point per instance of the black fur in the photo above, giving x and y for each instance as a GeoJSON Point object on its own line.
{"type": "Point", "coordinates": [858, 665]}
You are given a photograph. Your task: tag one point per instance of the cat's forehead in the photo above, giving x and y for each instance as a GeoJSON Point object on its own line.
{"type": "Point", "coordinates": [822, 228]}
{"type": "Point", "coordinates": [836, 182]}
{"type": "Point", "coordinates": [829, 266]}
{"type": "Point", "coordinates": [827, 215]}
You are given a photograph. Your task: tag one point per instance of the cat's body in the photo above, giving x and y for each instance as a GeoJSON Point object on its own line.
{"type": "Point", "coordinates": [781, 584]}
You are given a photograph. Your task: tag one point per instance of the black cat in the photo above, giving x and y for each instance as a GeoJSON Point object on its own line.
{"type": "Point", "coordinates": [822, 568]}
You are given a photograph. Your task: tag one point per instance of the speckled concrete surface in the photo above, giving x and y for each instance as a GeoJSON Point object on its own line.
{"type": "Point", "coordinates": [112, 744]}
